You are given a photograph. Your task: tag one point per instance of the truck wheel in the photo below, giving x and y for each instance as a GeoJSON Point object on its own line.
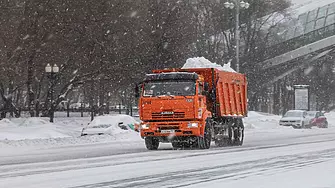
{"type": "Point", "coordinates": [176, 145]}
{"type": "Point", "coordinates": [151, 143]}
{"type": "Point", "coordinates": [205, 141]}
{"type": "Point", "coordinates": [239, 133]}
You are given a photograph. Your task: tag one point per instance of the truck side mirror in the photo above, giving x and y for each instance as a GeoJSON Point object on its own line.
{"type": "Point", "coordinates": [206, 86]}
{"type": "Point", "coordinates": [137, 91]}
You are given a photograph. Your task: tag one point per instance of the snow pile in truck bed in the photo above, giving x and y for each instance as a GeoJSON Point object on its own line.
{"type": "Point", "coordinates": [201, 62]}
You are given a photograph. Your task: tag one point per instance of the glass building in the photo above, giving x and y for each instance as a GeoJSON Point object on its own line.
{"type": "Point", "coordinates": [309, 21]}
{"type": "Point", "coordinates": [306, 28]}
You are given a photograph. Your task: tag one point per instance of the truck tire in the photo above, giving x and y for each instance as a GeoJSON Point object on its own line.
{"type": "Point", "coordinates": [176, 145]}
{"type": "Point", "coordinates": [205, 141]}
{"type": "Point", "coordinates": [239, 133]}
{"type": "Point", "coordinates": [151, 143]}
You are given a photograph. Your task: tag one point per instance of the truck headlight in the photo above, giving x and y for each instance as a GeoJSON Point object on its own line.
{"type": "Point", "coordinates": [192, 125]}
{"type": "Point", "coordinates": [145, 126]}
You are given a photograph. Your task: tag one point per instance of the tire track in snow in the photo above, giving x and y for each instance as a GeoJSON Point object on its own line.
{"type": "Point", "coordinates": [57, 155]}
{"type": "Point", "coordinates": [30, 169]}
{"type": "Point", "coordinates": [229, 171]}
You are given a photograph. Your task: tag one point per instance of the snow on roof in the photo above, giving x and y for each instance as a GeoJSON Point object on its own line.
{"type": "Point", "coordinates": [201, 62]}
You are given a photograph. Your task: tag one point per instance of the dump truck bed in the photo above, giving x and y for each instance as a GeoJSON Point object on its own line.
{"type": "Point", "coordinates": [231, 90]}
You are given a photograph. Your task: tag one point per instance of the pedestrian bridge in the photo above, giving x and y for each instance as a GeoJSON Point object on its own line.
{"type": "Point", "coordinates": [312, 37]}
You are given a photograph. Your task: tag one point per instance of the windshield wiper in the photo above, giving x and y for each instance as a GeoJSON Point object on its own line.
{"type": "Point", "coordinates": [173, 96]}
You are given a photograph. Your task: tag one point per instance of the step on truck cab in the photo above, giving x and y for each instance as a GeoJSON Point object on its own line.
{"type": "Point", "coordinates": [192, 107]}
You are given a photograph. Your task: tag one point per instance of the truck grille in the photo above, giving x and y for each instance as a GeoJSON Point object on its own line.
{"type": "Point", "coordinates": [158, 115]}
{"type": "Point", "coordinates": [169, 128]}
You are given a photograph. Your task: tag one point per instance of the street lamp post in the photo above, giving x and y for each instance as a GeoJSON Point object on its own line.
{"type": "Point", "coordinates": [52, 72]}
{"type": "Point", "coordinates": [108, 103]}
{"type": "Point", "coordinates": [238, 4]}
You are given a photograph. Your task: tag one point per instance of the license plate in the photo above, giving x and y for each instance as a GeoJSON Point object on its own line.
{"type": "Point", "coordinates": [167, 131]}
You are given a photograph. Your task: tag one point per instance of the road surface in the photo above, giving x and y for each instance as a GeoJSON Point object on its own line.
{"type": "Point", "coordinates": [267, 159]}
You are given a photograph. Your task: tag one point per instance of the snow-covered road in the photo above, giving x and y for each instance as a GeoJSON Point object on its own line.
{"type": "Point", "coordinates": [169, 168]}
{"type": "Point", "coordinates": [271, 157]}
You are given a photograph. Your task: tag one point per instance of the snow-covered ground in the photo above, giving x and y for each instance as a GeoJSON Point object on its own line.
{"type": "Point", "coordinates": [39, 133]}
{"type": "Point", "coordinates": [270, 155]}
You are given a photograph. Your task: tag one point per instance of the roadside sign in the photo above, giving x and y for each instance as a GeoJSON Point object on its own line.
{"type": "Point", "coordinates": [301, 97]}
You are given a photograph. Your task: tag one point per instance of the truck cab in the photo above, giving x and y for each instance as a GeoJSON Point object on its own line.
{"type": "Point", "coordinates": [173, 107]}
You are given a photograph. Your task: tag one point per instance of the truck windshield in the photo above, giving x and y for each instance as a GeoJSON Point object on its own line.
{"type": "Point", "coordinates": [170, 88]}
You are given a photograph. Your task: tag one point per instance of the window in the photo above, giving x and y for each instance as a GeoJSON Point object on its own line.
{"type": "Point", "coordinates": [322, 12]}
{"type": "Point", "coordinates": [311, 16]}
{"type": "Point", "coordinates": [311, 114]}
{"type": "Point", "coordinates": [298, 31]}
{"type": "Point", "coordinates": [200, 89]}
{"type": "Point", "coordinates": [290, 33]}
{"type": "Point", "coordinates": [331, 9]}
{"type": "Point", "coordinates": [309, 27]}
{"type": "Point", "coordinates": [169, 88]}
{"type": "Point", "coordinates": [290, 28]}
{"type": "Point", "coordinates": [330, 19]}
{"type": "Point", "coordinates": [319, 23]}
{"type": "Point", "coordinates": [302, 18]}
{"type": "Point", "coordinates": [294, 114]}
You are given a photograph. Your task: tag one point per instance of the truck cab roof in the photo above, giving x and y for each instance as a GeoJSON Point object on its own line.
{"type": "Point", "coordinates": [172, 76]}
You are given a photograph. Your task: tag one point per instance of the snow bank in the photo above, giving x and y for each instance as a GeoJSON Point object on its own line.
{"type": "Point", "coordinates": [28, 128]}
{"type": "Point", "coordinates": [30, 133]}
{"type": "Point", "coordinates": [33, 121]}
{"type": "Point", "coordinates": [201, 62]}
{"type": "Point", "coordinates": [330, 118]}
{"type": "Point", "coordinates": [261, 126]}
{"type": "Point", "coordinates": [6, 123]}
{"type": "Point", "coordinates": [71, 141]}
{"type": "Point", "coordinates": [38, 132]}
{"type": "Point", "coordinates": [258, 120]}
{"type": "Point", "coordinates": [112, 122]}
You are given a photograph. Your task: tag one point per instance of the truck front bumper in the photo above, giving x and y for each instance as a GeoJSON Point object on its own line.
{"type": "Point", "coordinates": [166, 129]}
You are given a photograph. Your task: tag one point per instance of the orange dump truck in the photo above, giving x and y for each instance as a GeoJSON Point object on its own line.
{"type": "Point", "coordinates": [192, 107]}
